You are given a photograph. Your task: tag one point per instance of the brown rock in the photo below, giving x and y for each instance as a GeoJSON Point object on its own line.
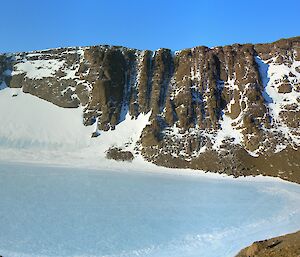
{"type": "Point", "coordinates": [285, 88]}
{"type": "Point", "coordinates": [283, 246]}
{"type": "Point", "coordinates": [119, 155]}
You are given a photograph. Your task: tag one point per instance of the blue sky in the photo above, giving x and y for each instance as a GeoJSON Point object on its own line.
{"type": "Point", "coordinates": [35, 24]}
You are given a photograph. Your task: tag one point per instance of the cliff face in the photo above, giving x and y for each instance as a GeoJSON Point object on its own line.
{"type": "Point", "coordinates": [232, 109]}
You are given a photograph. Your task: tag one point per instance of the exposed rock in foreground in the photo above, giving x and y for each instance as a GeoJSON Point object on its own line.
{"type": "Point", "coordinates": [283, 246]}
{"type": "Point", "coordinates": [232, 109]}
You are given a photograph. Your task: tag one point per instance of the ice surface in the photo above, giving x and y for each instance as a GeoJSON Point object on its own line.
{"type": "Point", "coordinates": [79, 212]}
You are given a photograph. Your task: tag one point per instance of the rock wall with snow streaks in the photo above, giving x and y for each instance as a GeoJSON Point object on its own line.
{"type": "Point", "coordinates": [232, 109]}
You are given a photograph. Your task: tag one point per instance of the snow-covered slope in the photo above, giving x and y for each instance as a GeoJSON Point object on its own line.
{"type": "Point", "coordinates": [32, 123]}
{"type": "Point", "coordinates": [34, 130]}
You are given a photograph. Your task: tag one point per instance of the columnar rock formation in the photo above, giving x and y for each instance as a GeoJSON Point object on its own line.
{"type": "Point", "coordinates": [232, 109]}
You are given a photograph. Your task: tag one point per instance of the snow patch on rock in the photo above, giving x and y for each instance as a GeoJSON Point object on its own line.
{"type": "Point", "coordinates": [38, 69]}
{"type": "Point", "coordinates": [227, 131]}
{"type": "Point", "coordinates": [273, 76]}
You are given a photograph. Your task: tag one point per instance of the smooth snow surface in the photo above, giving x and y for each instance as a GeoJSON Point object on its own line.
{"type": "Point", "coordinates": [35, 130]}
{"type": "Point", "coordinates": [79, 212]}
{"type": "Point", "coordinates": [30, 123]}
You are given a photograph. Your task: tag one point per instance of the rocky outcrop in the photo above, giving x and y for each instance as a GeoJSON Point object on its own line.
{"type": "Point", "coordinates": [5, 70]}
{"type": "Point", "coordinates": [119, 155]}
{"type": "Point", "coordinates": [232, 109]}
{"type": "Point", "coordinates": [283, 246]}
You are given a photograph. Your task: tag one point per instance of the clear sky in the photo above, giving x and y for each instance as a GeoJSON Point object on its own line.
{"type": "Point", "coordinates": [39, 24]}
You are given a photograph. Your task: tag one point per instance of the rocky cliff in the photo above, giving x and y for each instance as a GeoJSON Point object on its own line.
{"type": "Point", "coordinates": [283, 246]}
{"type": "Point", "coordinates": [232, 109]}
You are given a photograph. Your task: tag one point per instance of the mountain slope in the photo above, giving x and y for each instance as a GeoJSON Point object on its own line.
{"type": "Point", "coordinates": [232, 109]}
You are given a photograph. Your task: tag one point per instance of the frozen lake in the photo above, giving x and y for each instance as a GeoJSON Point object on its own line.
{"type": "Point", "coordinates": [46, 211]}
